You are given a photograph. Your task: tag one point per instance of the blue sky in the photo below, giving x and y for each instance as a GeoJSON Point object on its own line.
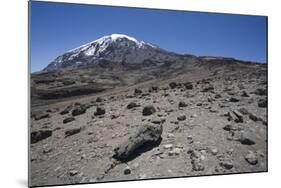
{"type": "Point", "coordinates": [57, 28]}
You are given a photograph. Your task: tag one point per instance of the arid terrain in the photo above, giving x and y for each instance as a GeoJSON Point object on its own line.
{"type": "Point", "coordinates": [114, 121]}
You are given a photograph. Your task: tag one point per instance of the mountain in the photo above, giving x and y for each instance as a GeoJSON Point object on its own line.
{"type": "Point", "coordinates": [114, 48]}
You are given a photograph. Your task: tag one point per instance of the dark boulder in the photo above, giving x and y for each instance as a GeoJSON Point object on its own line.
{"type": "Point", "coordinates": [173, 85]}
{"type": "Point", "coordinates": [78, 110]}
{"type": "Point", "coordinates": [153, 89]}
{"type": "Point", "coordinates": [69, 119]}
{"type": "Point", "coordinates": [41, 116]}
{"type": "Point", "coordinates": [138, 91]}
{"type": "Point", "coordinates": [262, 103]}
{"type": "Point", "coordinates": [148, 110]}
{"type": "Point", "coordinates": [71, 132]}
{"type": "Point", "coordinates": [232, 99]}
{"type": "Point", "coordinates": [246, 141]}
{"type": "Point", "coordinates": [244, 94]}
{"type": "Point", "coordinates": [182, 118]}
{"type": "Point", "coordinates": [253, 117]}
{"type": "Point", "coordinates": [148, 136]}
{"type": "Point", "coordinates": [260, 91]}
{"type": "Point", "coordinates": [132, 105]}
{"type": "Point", "coordinates": [99, 111]}
{"type": "Point", "coordinates": [188, 85]}
{"type": "Point", "coordinates": [238, 116]}
{"type": "Point", "coordinates": [99, 99]}
{"type": "Point", "coordinates": [66, 110]}
{"type": "Point", "coordinates": [37, 136]}
{"type": "Point", "coordinates": [182, 104]}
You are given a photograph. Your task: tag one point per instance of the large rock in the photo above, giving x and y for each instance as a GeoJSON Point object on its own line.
{"type": "Point", "coordinates": [147, 136]}
{"type": "Point", "coordinates": [173, 85]}
{"type": "Point", "coordinates": [37, 136]}
{"type": "Point", "coordinates": [148, 110]}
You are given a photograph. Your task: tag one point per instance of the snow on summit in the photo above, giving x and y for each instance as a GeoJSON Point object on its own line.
{"type": "Point", "coordinates": [104, 41]}
{"type": "Point", "coordinates": [114, 48]}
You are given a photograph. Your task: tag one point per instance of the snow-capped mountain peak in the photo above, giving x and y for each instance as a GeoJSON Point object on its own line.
{"type": "Point", "coordinates": [114, 47]}
{"type": "Point", "coordinates": [105, 40]}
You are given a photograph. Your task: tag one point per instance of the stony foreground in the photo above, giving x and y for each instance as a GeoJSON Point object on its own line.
{"type": "Point", "coordinates": [170, 128]}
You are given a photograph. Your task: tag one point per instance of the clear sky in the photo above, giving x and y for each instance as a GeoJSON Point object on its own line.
{"type": "Point", "coordinates": [57, 28]}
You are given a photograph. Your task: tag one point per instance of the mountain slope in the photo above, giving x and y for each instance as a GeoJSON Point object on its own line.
{"type": "Point", "coordinates": [114, 48]}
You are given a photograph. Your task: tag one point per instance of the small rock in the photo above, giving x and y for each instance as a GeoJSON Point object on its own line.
{"type": "Point", "coordinates": [170, 135]}
{"type": "Point", "coordinates": [47, 150]}
{"type": "Point", "coordinates": [251, 158]}
{"type": "Point", "coordinates": [156, 121]}
{"type": "Point", "coordinates": [230, 128]}
{"type": "Point", "coordinates": [127, 170]}
{"type": "Point", "coordinates": [99, 111]}
{"type": "Point", "coordinates": [132, 105]}
{"type": "Point", "coordinates": [73, 172]}
{"type": "Point", "coordinates": [37, 136]}
{"type": "Point", "coordinates": [137, 91]}
{"type": "Point", "coordinates": [188, 85]}
{"type": "Point", "coordinates": [182, 118]}
{"type": "Point", "coordinates": [79, 110]}
{"type": "Point", "coordinates": [99, 99]}
{"type": "Point", "coordinates": [262, 103]}
{"type": "Point", "coordinates": [227, 164]}
{"type": "Point", "coordinates": [71, 132]}
{"type": "Point", "coordinates": [66, 110]}
{"type": "Point", "coordinates": [114, 116]}
{"type": "Point", "coordinates": [217, 96]}
{"type": "Point", "coordinates": [243, 111]}
{"type": "Point", "coordinates": [148, 110]}
{"type": "Point", "coordinates": [246, 141]}
{"type": "Point", "coordinates": [41, 116]}
{"type": "Point", "coordinates": [208, 88]}
{"type": "Point", "coordinates": [260, 91]}
{"type": "Point", "coordinates": [244, 94]}
{"type": "Point", "coordinates": [196, 160]}
{"type": "Point", "coordinates": [239, 116]}
{"type": "Point", "coordinates": [153, 88]}
{"type": "Point", "coordinates": [168, 146]}
{"type": "Point", "coordinates": [69, 119]}
{"type": "Point", "coordinates": [232, 99]}
{"type": "Point", "coordinates": [182, 104]}
{"type": "Point", "coordinates": [214, 151]}
{"type": "Point", "coordinates": [173, 85]}
{"type": "Point", "coordinates": [253, 117]}
{"type": "Point", "coordinates": [175, 151]}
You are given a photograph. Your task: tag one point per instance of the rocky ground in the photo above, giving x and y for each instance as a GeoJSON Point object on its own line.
{"type": "Point", "coordinates": [189, 124]}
